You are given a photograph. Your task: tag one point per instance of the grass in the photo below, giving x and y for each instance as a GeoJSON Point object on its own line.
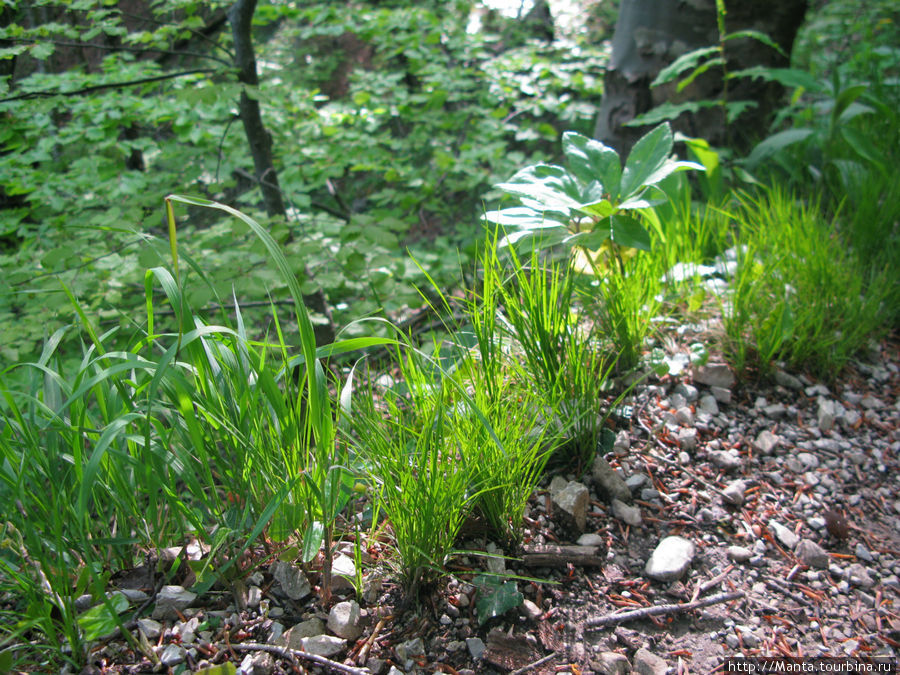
{"type": "Point", "coordinates": [246, 440]}
{"type": "Point", "coordinates": [801, 295]}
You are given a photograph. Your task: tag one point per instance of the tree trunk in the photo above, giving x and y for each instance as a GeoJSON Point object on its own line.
{"type": "Point", "coordinates": [241, 15]}
{"type": "Point", "coordinates": [650, 34]}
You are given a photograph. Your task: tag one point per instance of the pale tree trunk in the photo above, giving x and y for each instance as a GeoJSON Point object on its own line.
{"type": "Point", "coordinates": [650, 34]}
{"type": "Point", "coordinates": [241, 16]}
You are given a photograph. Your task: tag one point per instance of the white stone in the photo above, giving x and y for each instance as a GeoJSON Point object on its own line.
{"type": "Point", "coordinates": [343, 620]}
{"type": "Point", "coordinates": [170, 601]}
{"type": "Point", "coordinates": [591, 539]}
{"type": "Point", "coordinates": [647, 663]}
{"type": "Point", "coordinates": [630, 515]}
{"type": "Point", "coordinates": [739, 553]}
{"type": "Point", "coordinates": [573, 500]}
{"type": "Point", "coordinates": [671, 559]}
{"type": "Point", "coordinates": [714, 375]}
{"type": "Point", "coordinates": [258, 663]}
{"type": "Point", "coordinates": [293, 582]}
{"type": "Point", "coordinates": [172, 655]}
{"type": "Point", "coordinates": [825, 414]}
{"type": "Point", "coordinates": [708, 405]}
{"type": "Point", "coordinates": [476, 647]}
{"type": "Point", "coordinates": [323, 645]}
{"type": "Point", "coordinates": [785, 535]}
{"type": "Point", "coordinates": [343, 572]}
{"type": "Point", "coordinates": [150, 628]}
{"type": "Point", "coordinates": [811, 554]}
{"type": "Point", "coordinates": [687, 438]}
{"type": "Point", "coordinates": [734, 492]}
{"type": "Point", "coordinates": [766, 442]}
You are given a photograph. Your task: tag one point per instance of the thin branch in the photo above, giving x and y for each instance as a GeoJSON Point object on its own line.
{"type": "Point", "coordinates": [109, 85]}
{"type": "Point", "coordinates": [534, 664]}
{"type": "Point", "coordinates": [658, 610]}
{"type": "Point", "coordinates": [293, 654]}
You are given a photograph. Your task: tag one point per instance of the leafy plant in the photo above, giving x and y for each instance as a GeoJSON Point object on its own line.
{"type": "Point", "coordinates": [593, 206]}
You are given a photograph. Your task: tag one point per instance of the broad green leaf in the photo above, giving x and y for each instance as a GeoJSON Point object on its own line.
{"type": "Point", "coordinates": [777, 142]}
{"type": "Point", "coordinates": [551, 186]}
{"type": "Point", "coordinates": [755, 35]}
{"type": "Point", "coordinates": [846, 97]}
{"type": "Point", "coordinates": [591, 160]}
{"type": "Point", "coordinates": [792, 78]}
{"type": "Point", "coordinates": [734, 109]}
{"type": "Point", "coordinates": [628, 231]}
{"type": "Point", "coordinates": [682, 64]}
{"type": "Point", "coordinates": [525, 217]}
{"type": "Point", "coordinates": [861, 145]}
{"type": "Point", "coordinates": [698, 71]}
{"type": "Point", "coordinates": [669, 111]}
{"type": "Point", "coordinates": [669, 166]}
{"type": "Point", "coordinates": [99, 621]}
{"type": "Point", "coordinates": [646, 157]}
{"type": "Point", "coordinates": [601, 209]}
{"type": "Point", "coordinates": [495, 597]}
{"type": "Point", "coordinates": [312, 541]}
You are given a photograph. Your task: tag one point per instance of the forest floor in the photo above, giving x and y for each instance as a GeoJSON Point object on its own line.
{"type": "Point", "coordinates": [788, 494]}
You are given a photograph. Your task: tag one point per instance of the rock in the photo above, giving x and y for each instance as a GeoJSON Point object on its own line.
{"type": "Point", "coordinates": [172, 655]}
{"type": "Point", "coordinates": [258, 663]}
{"type": "Point", "coordinates": [591, 539]}
{"type": "Point", "coordinates": [690, 394]}
{"type": "Point", "coordinates": [635, 481]}
{"type": "Point", "coordinates": [611, 663]}
{"type": "Point", "coordinates": [293, 637]}
{"type": "Point", "coordinates": [863, 553]}
{"type": "Point", "coordinates": [343, 572]}
{"type": "Point", "coordinates": [407, 652]}
{"type": "Point", "coordinates": [714, 375]}
{"type": "Point", "coordinates": [721, 394]}
{"type": "Point", "coordinates": [775, 411]}
{"type": "Point", "coordinates": [292, 580]}
{"type": "Point", "coordinates": [622, 444]}
{"type": "Point", "coordinates": [343, 620]}
{"type": "Point", "coordinates": [858, 575]}
{"type": "Point", "coordinates": [766, 442]}
{"type": "Point", "coordinates": [476, 647]}
{"type": "Point", "coordinates": [784, 535]}
{"type": "Point", "coordinates": [532, 611]}
{"type": "Point", "coordinates": [647, 663]}
{"type": "Point", "coordinates": [825, 414]}
{"type": "Point", "coordinates": [687, 438]}
{"type": "Point", "coordinates": [170, 601]}
{"type": "Point", "coordinates": [573, 501]}
{"type": "Point", "coordinates": [150, 628]}
{"type": "Point", "coordinates": [811, 554]}
{"type": "Point", "coordinates": [685, 416]}
{"type": "Point", "coordinates": [808, 460]}
{"type": "Point", "coordinates": [627, 514]}
{"type": "Point", "coordinates": [608, 482]}
{"type": "Point", "coordinates": [788, 381]}
{"type": "Point", "coordinates": [709, 405]}
{"type": "Point", "coordinates": [734, 492]}
{"type": "Point", "coordinates": [739, 553]}
{"type": "Point", "coordinates": [671, 559]}
{"type": "Point", "coordinates": [254, 597]}
{"type": "Point", "coordinates": [727, 460]}
{"type": "Point", "coordinates": [323, 645]}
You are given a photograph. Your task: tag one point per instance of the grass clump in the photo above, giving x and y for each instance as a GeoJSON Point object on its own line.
{"type": "Point", "coordinates": [800, 294]}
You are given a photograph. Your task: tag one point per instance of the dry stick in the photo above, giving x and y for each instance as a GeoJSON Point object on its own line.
{"type": "Point", "coordinates": [291, 654]}
{"type": "Point", "coordinates": [796, 597]}
{"type": "Point", "coordinates": [646, 612]}
{"type": "Point", "coordinates": [534, 664]}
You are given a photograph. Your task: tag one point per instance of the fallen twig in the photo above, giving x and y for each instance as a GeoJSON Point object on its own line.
{"type": "Point", "coordinates": [293, 654]}
{"type": "Point", "coordinates": [658, 610]}
{"type": "Point", "coordinates": [534, 664]}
